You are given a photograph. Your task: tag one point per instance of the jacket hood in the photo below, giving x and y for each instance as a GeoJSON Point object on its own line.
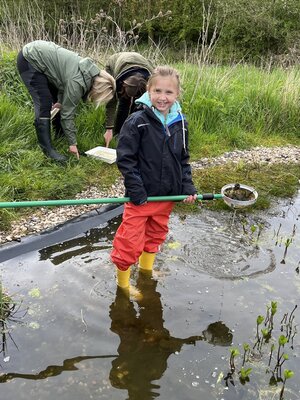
{"type": "Point", "coordinates": [173, 114]}
{"type": "Point", "coordinates": [89, 70]}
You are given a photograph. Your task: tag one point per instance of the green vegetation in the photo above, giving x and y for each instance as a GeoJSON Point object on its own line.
{"type": "Point", "coordinates": [5, 304]}
{"type": "Point", "coordinates": [270, 181]}
{"type": "Point", "coordinates": [240, 107]}
{"type": "Point", "coordinates": [10, 313]}
{"type": "Point", "coordinates": [228, 108]}
{"type": "Point", "coordinates": [266, 339]}
{"type": "Point", "coordinates": [266, 30]}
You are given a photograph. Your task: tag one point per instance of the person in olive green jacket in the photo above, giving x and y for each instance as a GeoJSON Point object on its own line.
{"type": "Point", "coordinates": [131, 71]}
{"type": "Point", "coordinates": [55, 76]}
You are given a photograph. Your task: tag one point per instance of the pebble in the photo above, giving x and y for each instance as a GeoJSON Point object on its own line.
{"type": "Point", "coordinates": [45, 218]}
{"type": "Point", "coordinates": [259, 155]}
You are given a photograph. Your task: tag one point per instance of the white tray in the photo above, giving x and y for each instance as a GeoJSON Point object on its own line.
{"type": "Point", "coordinates": [103, 153]}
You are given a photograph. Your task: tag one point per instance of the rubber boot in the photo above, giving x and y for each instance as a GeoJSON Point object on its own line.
{"type": "Point", "coordinates": [123, 282]}
{"type": "Point", "coordinates": [146, 261]}
{"type": "Point", "coordinates": [123, 278]}
{"type": "Point", "coordinates": [43, 132]}
{"type": "Point", "coordinates": [56, 124]}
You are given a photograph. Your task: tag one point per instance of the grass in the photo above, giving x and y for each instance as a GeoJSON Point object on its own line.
{"type": "Point", "coordinates": [5, 302]}
{"type": "Point", "coordinates": [26, 174]}
{"type": "Point", "coordinates": [270, 181]}
{"type": "Point", "coordinates": [240, 107]}
{"type": "Point", "coordinates": [228, 108]}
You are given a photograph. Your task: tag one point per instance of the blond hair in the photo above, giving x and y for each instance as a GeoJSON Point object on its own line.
{"type": "Point", "coordinates": [103, 89]}
{"type": "Point", "coordinates": [165, 71]}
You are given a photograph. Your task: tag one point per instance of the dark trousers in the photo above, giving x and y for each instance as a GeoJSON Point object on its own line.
{"type": "Point", "coordinates": [42, 92]}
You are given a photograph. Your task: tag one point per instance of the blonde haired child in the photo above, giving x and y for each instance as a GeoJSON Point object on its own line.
{"type": "Point", "coordinates": [153, 157]}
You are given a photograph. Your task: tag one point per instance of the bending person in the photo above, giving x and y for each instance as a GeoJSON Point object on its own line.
{"type": "Point", "coordinates": [131, 71]}
{"type": "Point", "coordinates": [53, 74]}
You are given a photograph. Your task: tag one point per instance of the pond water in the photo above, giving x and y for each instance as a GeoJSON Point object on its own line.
{"type": "Point", "coordinates": [73, 335]}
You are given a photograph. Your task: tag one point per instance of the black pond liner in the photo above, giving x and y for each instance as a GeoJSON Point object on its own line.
{"type": "Point", "coordinates": [60, 233]}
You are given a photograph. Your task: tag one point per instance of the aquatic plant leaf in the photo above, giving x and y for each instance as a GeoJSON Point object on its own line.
{"type": "Point", "coordinates": [273, 307]}
{"type": "Point", "coordinates": [220, 377]}
{"type": "Point", "coordinates": [34, 325]}
{"type": "Point", "coordinates": [246, 346]}
{"type": "Point", "coordinates": [174, 245]}
{"type": "Point", "coordinates": [35, 292]}
{"type": "Point", "coordinates": [265, 332]}
{"type": "Point", "coordinates": [245, 372]}
{"type": "Point", "coordinates": [234, 352]}
{"type": "Point", "coordinates": [288, 373]}
{"type": "Point", "coordinates": [282, 340]}
{"type": "Point", "coordinates": [260, 319]}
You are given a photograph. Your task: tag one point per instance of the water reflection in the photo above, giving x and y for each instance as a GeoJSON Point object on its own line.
{"type": "Point", "coordinates": [229, 252]}
{"type": "Point", "coordinates": [52, 370]}
{"type": "Point", "coordinates": [92, 240]}
{"type": "Point", "coordinates": [145, 344]}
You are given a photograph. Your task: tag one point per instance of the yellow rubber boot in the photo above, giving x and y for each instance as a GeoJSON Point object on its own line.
{"type": "Point", "coordinates": [146, 261]}
{"type": "Point", "coordinates": [123, 282]}
{"type": "Point", "coordinates": [123, 278]}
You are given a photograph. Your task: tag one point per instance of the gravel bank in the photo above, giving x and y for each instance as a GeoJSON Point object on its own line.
{"type": "Point", "coordinates": [45, 218]}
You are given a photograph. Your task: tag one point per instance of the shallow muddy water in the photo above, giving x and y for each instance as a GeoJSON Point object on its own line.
{"type": "Point", "coordinates": [74, 336]}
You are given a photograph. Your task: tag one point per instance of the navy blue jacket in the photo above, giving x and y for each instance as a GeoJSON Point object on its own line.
{"type": "Point", "coordinates": [154, 159]}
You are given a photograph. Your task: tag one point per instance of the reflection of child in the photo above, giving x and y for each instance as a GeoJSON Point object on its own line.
{"type": "Point", "coordinates": [153, 157]}
{"type": "Point", "coordinates": [145, 344]}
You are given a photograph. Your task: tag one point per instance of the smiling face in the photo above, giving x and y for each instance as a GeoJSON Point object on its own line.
{"type": "Point", "coordinates": [163, 92]}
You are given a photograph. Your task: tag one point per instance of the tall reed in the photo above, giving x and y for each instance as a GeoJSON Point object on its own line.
{"type": "Point", "coordinates": [96, 35]}
{"type": "Point", "coordinates": [240, 106]}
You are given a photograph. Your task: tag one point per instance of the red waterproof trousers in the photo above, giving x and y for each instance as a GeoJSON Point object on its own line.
{"type": "Point", "coordinates": [143, 228]}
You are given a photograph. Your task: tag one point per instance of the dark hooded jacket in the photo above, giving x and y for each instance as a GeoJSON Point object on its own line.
{"type": "Point", "coordinates": [120, 66]}
{"type": "Point", "coordinates": [153, 156]}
